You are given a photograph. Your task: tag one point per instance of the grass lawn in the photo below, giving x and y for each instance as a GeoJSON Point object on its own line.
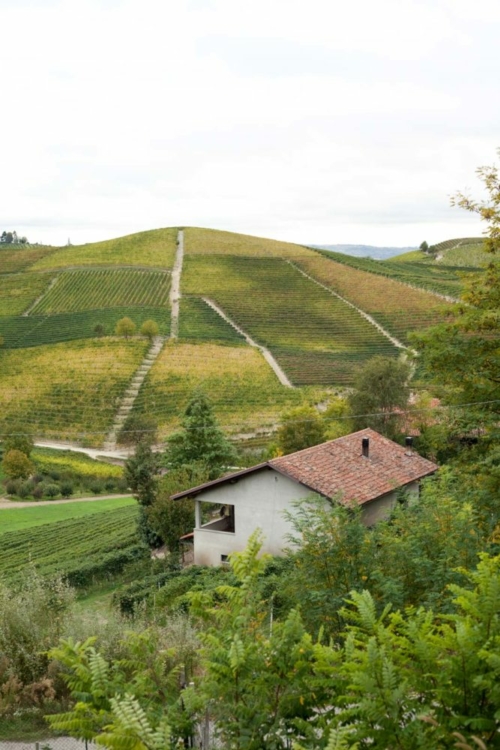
{"type": "Point", "coordinates": [14, 519]}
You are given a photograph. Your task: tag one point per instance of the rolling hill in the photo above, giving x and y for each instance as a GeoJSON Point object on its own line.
{"type": "Point", "coordinates": [261, 325]}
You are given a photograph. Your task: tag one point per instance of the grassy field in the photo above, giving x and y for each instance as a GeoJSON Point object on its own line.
{"type": "Point", "coordinates": [92, 290]}
{"type": "Point", "coordinates": [18, 291]}
{"type": "Point", "coordinates": [316, 337]}
{"type": "Point", "coordinates": [83, 549]}
{"type": "Point", "coordinates": [214, 242]}
{"type": "Point", "coordinates": [245, 392]}
{"type": "Point", "coordinates": [16, 519]}
{"type": "Point", "coordinates": [35, 330]}
{"type": "Point", "coordinates": [19, 257]}
{"type": "Point", "coordinates": [398, 308]}
{"type": "Point", "coordinates": [68, 391]}
{"type": "Point", "coordinates": [52, 459]}
{"type": "Point", "coordinates": [155, 248]}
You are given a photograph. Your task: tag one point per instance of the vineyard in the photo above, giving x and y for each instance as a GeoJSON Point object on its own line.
{"type": "Point", "coordinates": [18, 519]}
{"type": "Point", "coordinates": [35, 330]}
{"type": "Point", "coordinates": [91, 290]}
{"type": "Point", "coordinates": [244, 391]}
{"type": "Point", "coordinates": [15, 258]}
{"type": "Point", "coordinates": [67, 391]}
{"type": "Point", "coordinates": [214, 242]}
{"type": "Point", "coordinates": [445, 280]}
{"type": "Point", "coordinates": [81, 549]}
{"type": "Point", "coordinates": [398, 308]}
{"type": "Point", "coordinates": [315, 336]}
{"type": "Point", "coordinates": [199, 322]}
{"type": "Point", "coordinates": [18, 291]}
{"type": "Point", "coordinates": [152, 249]}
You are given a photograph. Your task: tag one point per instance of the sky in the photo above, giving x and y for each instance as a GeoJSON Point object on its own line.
{"type": "Point", "coordinates": [315, 122]}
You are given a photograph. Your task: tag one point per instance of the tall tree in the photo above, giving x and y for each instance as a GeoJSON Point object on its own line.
{"type": "Point", "coordinates": [141, 471]}
{"type": "Point", "coordinates": [381, 392]}
{"type": "Point", "coordinates": [463, 354]}
{"type": "Point", "coordinates": [201, 440]}
{"type": "Point", "coordinates": [300, 428]}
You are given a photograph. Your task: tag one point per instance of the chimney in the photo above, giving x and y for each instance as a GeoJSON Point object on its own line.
{"type": "Point", "coordinates": [409, 445]}
{"type": "Point", "coordinates": [365, 444]}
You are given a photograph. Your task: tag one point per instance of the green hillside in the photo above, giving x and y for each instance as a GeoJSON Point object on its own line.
{"type": "Point", "coordinates": [321, 315]}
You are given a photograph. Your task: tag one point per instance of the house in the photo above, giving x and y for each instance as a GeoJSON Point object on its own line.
{"type": "Point", "coordinates": [363, 468]}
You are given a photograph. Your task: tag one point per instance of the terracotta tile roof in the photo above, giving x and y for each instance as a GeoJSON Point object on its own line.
{"type": "Point", "coordinates": [339, 469]}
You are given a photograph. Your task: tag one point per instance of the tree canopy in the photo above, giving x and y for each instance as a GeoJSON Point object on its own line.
{"type": "Point", "coordinates": [201, 441]}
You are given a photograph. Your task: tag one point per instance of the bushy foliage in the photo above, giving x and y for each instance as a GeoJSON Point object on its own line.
{"type": "Point", "coordinates": [201, 440]}
{"type": "Point", "coordinates": [381, 392]}
{"type": "Point", "coordinates": [149, 329]}
{"type": "Point", "coordinates": [300, 428]}
{"type": "Point", "coordinates": [125, 327]}
{"type": "Point", "coordinates": [16, 465]}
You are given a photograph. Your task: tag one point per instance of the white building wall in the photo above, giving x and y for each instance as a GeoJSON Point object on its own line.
{"type": "Point", "coordinates": [259, 501]}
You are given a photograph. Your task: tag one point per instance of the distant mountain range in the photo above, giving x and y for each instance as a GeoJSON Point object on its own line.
{"type": "Point", "coordinates": [363, 251]}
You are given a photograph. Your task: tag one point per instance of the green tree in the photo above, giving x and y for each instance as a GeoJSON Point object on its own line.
{"type": "Point", "coordinates": [381, 392]}
{"type": "Point", "coordinates": [201, 440]}
{"type": "Point", "coordinates": [149, 329]}
{"type": "Point", "coordinates": [99, 329]}
{"type": "Point", "coordinates": [300, 428]}
{"type": "Point", "coordinates": [463, 354]}
{"type": "Point", "coordinates": [424, 247]}
{"type": "Point", "coordinates": [125, 327]}
{"type": "Point", "coordinates": [141, 473]}
{"type": "Point", "coordinates": [171, 519]}
{"type": "Point", "coordinates": [16, 465]}
{"type": "Point", "coordinates": [18, 437]}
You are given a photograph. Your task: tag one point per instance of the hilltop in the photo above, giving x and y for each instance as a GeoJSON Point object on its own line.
{"type": "Point", "coordinates": [261, 325]}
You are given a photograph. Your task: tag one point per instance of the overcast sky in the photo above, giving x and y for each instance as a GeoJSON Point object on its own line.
{"type": "Point", "coordinates": [312, 121]}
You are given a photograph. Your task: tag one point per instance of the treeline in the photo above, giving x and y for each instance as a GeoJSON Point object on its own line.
{"type": "Point", "coordinates": [12, 238]}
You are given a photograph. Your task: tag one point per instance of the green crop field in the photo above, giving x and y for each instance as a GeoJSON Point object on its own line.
{"type": "Point", "coordinates": [155, 249]}
{"type": "Point", "coordinates": [19, 257]}
{"type": "Point", "coordinates": [199, 322]}
{"type": "Point", "coordinates": [18, 291]}
{"type": "Point", "coordinates": [214, 242]}
{"type": "Point", "coordinates": [17, 519]}
{"type": "Point", "coordinates": [81, 549]}
{"type": "Point", "coordinates": [73, 462]}
{"type": "Point", "coordinates": [427, 275]}
{"type": "Point", "coordinates": [466, 256]}
{"type": "Point", "coordinates": [245, 392]}
{"type": "Point", "coordinates": [90, 290]}
{"type": "Point", "coordinates": [68, 391]}
{"type": "Point", "coordinates": [316, 337]}
{"type": "Point", "coordinates": [398, 308]}
{"type": "Point", "coordinates": [36, 330]}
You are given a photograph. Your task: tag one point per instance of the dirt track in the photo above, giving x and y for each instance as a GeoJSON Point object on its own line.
{"type": "Point", "coordinates": [4, 503]}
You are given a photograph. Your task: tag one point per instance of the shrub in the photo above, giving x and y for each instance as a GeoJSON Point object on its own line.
{"type": "Point", "coordinates": [125, 327]}
{"type": "Point", "coordinates": [16, 464]}
{"type": "Point", "coordinates": [96, 487]}
{"type": "Point", "coordinates": [26, 488]}
{"type": "Point", "coordinates": [38, 492]}
{"type": "Point", "coordinates": [149, 329]}
{"type": "Point", "coordinates": [52, 490]}
{"type": "Point", "coordinates": [12, 487]}
{"type": "Point", "coordinates": [67, 489]}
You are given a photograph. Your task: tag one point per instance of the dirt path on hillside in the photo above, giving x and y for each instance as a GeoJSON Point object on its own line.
{"type": "Point", "coordinates": [175, 286]}
{"type": "Point", "coordinates": [39, 299]}
{"type": "Point", "coordinates": [4, 503]}
{"type": "Point", "coordinates": [122, 454]}
{"type": "Point", "coordinates": [280, 374]}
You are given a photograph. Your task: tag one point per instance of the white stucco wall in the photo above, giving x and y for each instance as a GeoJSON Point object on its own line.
{"type": "Point", "coordinates": [259, 502]}
{"type": "Point", "coordinates": [380, 509]}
